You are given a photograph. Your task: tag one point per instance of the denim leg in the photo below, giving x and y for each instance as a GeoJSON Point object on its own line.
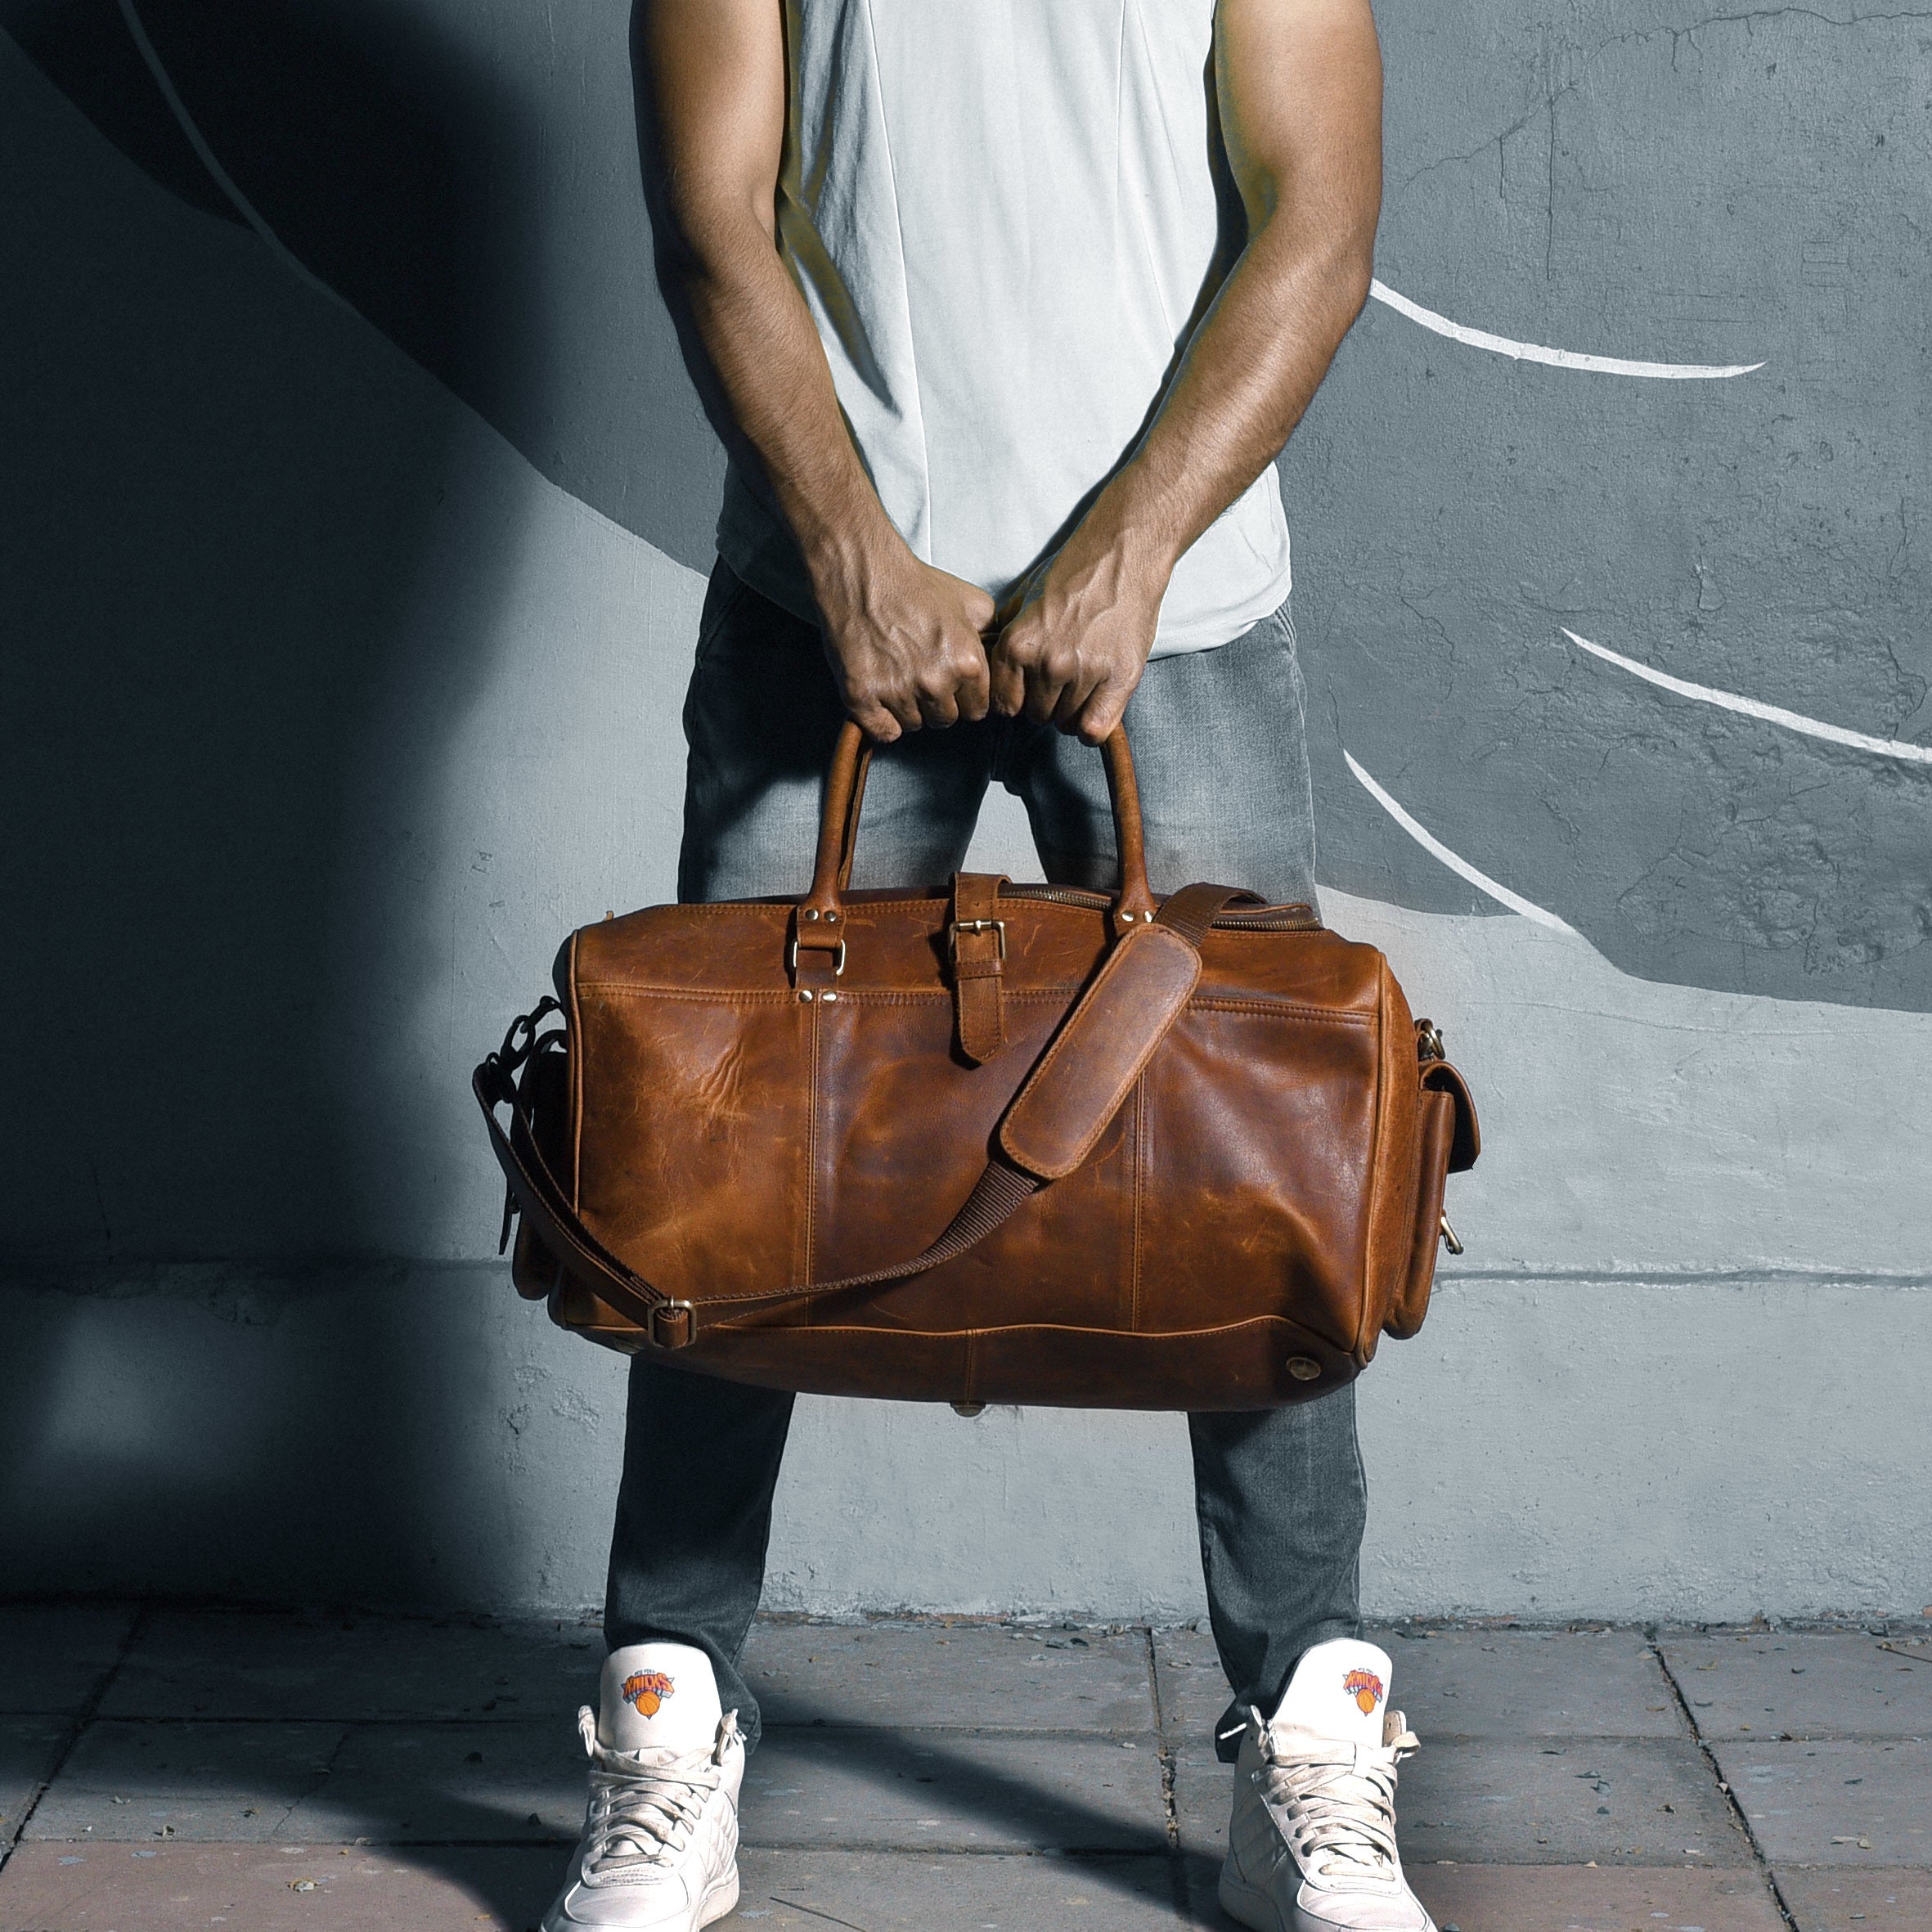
{"type": "Point", "coordinates": [687, 1552]}
{"type": "Point", "coordinates": [1282, 1501]}
{"type": "Point", "coordinates": [1220, 750]}
{"type": "Point", "coordinates": [702, 1456]}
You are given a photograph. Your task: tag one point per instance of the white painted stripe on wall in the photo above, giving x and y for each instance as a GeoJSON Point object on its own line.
{"type": "Point", "coordinates": [208, 160]}
{"type": "Point", "coordinates": [1751, 707]}
{"type": "Point", "coordinates": [1555, 358]}
{"type": "Point", "coordinates": [1456, 863]}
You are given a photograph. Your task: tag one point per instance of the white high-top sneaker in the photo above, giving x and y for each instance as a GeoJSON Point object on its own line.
{"type": "Point", "coordinates": [660, 1850]}
{"type": "Point", "coordinates": [1311, 1847]}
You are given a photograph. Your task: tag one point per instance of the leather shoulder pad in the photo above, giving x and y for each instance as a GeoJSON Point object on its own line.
{"type": "Point", "coordinates": [1084, 1076]}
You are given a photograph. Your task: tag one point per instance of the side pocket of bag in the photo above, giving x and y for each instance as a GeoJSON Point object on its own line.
{"type": "Point", "coordinates": [1438, 1136]}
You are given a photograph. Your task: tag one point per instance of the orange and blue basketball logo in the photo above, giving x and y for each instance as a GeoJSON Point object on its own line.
{"type": "Point", "coordinates": [1366, 1688]}
{"type": "Point", "coordinates": [648, 1689]}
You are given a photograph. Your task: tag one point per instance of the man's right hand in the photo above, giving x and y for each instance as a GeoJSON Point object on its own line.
{"type": "Point", "coordinates": [907, 643]}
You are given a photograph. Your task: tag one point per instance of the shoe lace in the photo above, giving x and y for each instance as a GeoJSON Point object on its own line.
{"type": "Point", "coordinates": [1336, 1803]}
{"type": "Point", "coordinates": [643, 1805]}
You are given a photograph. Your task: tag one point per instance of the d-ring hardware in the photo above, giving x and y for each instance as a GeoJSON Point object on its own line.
{"type": "Point", "coordinates": [1450, 1240]}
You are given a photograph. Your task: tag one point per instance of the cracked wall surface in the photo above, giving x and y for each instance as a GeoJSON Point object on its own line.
{"type": "Point", "coordinates": [1635, 180]}
{"type": "Point", "coordinates": [347, 626]}
{"type": "Point", "coordinates": [1663, 183]}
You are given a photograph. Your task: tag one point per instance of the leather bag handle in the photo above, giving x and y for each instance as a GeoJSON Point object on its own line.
{"type": "Point", "coordinates": [821, 913]}
{"type": "Point", "coordinates": [1050, 1127]}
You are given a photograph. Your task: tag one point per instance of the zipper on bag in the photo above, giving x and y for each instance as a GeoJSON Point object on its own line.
{"type": "Point", "coordinates": [1255, 919]}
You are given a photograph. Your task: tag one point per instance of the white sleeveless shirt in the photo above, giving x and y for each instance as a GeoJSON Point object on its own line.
{"type": "Point", "coordinates": [1005, 218]}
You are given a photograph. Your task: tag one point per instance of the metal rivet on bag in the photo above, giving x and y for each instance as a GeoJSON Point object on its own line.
{"type": "Point", "coordinates": [827, 998]}
{"type": "Point", "coordinates": [969, 1409]}
{"type": "Point", "coordinates": [831, 919]}
{"type": "Point", "coordinates": [805, 993]}
{"type": "Point", "coordinates": [811, 912]}
{"type": "Point", "coordinates": [1304, 1367]}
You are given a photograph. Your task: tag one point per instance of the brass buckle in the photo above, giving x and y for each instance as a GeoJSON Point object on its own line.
{"type": "Point", "coordinates": [997, 927]}
{"type": "Point", "coordinates": [838, 957]}
{"type": "Point", "coordinates": [673, 1324]}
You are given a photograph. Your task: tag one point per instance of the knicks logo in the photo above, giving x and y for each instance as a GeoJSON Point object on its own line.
{"type": "Point", "coordinates": [648, 1689]}
{"type": "Point", "coordinates": [1366, 1688]}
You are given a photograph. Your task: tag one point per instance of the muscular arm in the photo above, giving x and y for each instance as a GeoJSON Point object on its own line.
{"type": "Point", "coordinates": [1298, 84]}
{"type": "Point", "coordinates": [905, 640]}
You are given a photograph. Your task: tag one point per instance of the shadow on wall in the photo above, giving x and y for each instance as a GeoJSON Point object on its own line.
{"type": "Point", "coordinates": [463, 173]}
{"type": "Point", "coordinates": [222, 489]}
{"type": "Point", "coordinates": [219, 487]}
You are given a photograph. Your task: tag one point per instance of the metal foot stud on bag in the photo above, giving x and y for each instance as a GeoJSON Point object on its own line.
{"type": "Point", "coordinates": [979, 1142]}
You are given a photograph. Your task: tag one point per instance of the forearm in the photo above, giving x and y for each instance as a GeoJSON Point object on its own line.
{"type": "Point", "coordinates": [1298, 83]}
{"type": "Point", "coordinates": [771, 367]}
{"type": "Point", "coordinates": [1249, 373]}
{"type": "Point", "coordinates": [713, 75]}
{"type": "Point", "coordinates": [904, 640]}
{"type": "Point", "coordinates": [1075, 651]}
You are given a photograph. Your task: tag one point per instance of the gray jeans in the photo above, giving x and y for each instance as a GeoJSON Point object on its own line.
{"type": "Point", "coordinates": [1219, 749]}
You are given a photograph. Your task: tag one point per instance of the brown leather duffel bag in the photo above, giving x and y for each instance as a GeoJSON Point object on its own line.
{"type": "Point", "coordinates": [992, 1143]}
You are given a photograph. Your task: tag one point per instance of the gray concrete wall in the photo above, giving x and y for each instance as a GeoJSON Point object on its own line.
{"type": "Point", "coordinates": [351, 533]}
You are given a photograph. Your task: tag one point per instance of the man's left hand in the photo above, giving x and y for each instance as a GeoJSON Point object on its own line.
{"type": "Point", "coordinates": [1074, 651]}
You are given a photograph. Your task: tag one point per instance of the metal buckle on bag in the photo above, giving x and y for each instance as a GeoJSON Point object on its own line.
{"type": "Point", "coordinates": [673, 1324]}
{"type": "Point", "coordinates": [838, 957]}
{"type": "Point", "coordinates": [997, 927]}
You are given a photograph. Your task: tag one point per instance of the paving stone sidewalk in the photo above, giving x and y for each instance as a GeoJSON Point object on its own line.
{"type": "Point", "coordinates": [163, 1770]}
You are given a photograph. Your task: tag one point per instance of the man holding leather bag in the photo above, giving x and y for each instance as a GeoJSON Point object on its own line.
{"type": "Point", "coordinates": [1005, 315]}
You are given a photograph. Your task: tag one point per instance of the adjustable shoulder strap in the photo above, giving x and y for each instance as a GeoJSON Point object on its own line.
{"type": "Point", "coordinates": [542, 1202]}
{"type": "Point", "coordinates": [1052, 1125]}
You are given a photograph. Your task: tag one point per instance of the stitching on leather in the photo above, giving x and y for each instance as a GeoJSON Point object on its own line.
{"type": "Point", "coordinates": [1149, 1336]}
{"type": "Point", "coordinates": [779, 911]}
{"type": "Point", "coordinates": [575, 1023]}
{"type": "Point", "coordinates": [1421, 1258]}
{"type": "Point", "coordinates": [1139, 1191]}
{"type": "Point", "coordinates": [1283, 1010]}
{"type": "Point", "coordinates": [1286, 1009]}
{"type": "Point", "coordinates": [613, 989]}
{"type": "Point", "coordinates": [860, 910]}
{"type": "Point", "coordinates": [811, 1147]}
{"type": "Point", "coordinates": [1369, 1326]}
